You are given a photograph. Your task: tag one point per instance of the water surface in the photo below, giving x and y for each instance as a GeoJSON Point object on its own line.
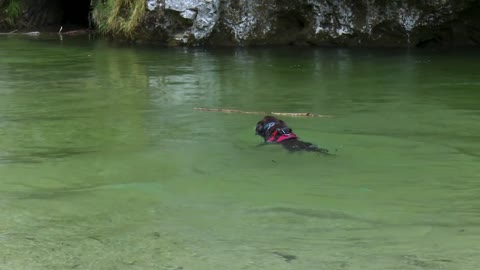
{"type": "Point", "coordinates": [105, 164]}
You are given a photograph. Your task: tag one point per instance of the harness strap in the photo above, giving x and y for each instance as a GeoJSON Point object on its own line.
{"type": "Point", "coordinates": [281, 134]}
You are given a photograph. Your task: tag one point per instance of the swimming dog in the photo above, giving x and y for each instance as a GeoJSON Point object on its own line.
{"type": "Point", "coordinates": [275, 131]}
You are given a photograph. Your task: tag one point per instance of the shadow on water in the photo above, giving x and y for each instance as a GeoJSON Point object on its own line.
{"type": "Point", "coordinates": [41, 154]}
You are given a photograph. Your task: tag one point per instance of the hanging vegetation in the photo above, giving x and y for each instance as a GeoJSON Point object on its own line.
{"type": "Point", "coordinates": [118, 17]}
{"type": "Point", "coordinates": [12, 10]}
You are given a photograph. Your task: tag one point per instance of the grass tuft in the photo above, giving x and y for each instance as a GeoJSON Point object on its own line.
{"type": "Point", "coordinates": [13, 10]}
{"type": "Point", "coordinates": [119, 17]}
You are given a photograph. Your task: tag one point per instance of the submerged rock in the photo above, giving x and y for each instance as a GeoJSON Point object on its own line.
{"type": "Point", "coordinates": [286, 257]}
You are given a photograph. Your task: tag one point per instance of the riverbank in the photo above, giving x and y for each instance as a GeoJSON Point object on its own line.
{"type": "Point", "coordinates": [342, 23]}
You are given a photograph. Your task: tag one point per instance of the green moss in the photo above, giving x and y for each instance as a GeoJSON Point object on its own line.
{"type": "Point", "coordinates": [119, 17]}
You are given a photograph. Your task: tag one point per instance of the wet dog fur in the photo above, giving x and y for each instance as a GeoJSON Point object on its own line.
{"type": "Point", "coordinates": [271, 128]}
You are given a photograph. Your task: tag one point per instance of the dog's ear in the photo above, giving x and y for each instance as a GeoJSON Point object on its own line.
{"type": "Point", "coordinates": [270, 118]}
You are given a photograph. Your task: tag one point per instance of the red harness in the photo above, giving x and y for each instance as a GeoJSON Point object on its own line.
{"type": "Point", "coordinates": [276, 139]}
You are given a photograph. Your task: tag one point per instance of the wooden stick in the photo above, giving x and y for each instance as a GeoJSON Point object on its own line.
{"type": "Point", "coordinates": [14, 32]}
{"type": "Point", "coordinates": [77, 32]}
{"type": "Point", "coordinates": [264, 113]}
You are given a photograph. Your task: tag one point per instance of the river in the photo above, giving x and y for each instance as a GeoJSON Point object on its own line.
{"type": "Point", "coordinates": [105, 163]}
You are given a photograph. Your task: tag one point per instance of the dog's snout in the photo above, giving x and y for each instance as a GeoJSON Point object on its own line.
{"type": "Point", "coordinates": [258, 129]}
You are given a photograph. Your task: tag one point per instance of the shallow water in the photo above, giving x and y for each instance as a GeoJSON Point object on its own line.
{"type": "Point", "coordinates": [105, 164]}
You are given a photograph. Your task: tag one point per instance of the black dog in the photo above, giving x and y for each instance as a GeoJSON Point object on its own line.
{"type": "Point", "coordinates": [275, 131]}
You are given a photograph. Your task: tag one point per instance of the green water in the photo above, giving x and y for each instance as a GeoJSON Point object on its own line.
{"type": "Point", "coordinates": [104, 163]}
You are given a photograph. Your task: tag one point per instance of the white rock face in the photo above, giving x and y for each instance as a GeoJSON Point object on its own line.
{"type": "Point", "coordinates": [152, 4]}
{"type": "Point", "coordinates": [204, 14]}
{"type": "Point", "coordinates": [315, 21]}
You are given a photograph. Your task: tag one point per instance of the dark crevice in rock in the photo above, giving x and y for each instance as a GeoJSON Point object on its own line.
{"type": "Point", "coordinates": [75, 12]}
{"type": "Point", "coordinates": [475, 35]}
{"type": "Point", "coordinates": [177, 23]}
{"type": "Point", "coordinates": [293, 23]}
{"type": "Point", "coordinates": [389, 33]}
{"type": "Point", "coordinates": [291, 26]}
{"type": "Point", "coordinates": [51, 14]}
{"type": "Point", "coordinates": [473, 22]}
{"type": "Point", "coordinates": [433, 41]}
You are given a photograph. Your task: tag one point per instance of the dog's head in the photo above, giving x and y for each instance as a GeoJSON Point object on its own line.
{"type": "Point", "coordinates": [267, 125]}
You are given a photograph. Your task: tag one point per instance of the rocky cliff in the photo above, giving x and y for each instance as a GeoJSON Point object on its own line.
{"type": "Point", "coordinates": [316, 22]}
{"type": "Point", "coordinates": [274, 22]}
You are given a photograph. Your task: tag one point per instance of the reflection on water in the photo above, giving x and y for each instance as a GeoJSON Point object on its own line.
{"type": "Point", "coordinates": [104, 164]}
